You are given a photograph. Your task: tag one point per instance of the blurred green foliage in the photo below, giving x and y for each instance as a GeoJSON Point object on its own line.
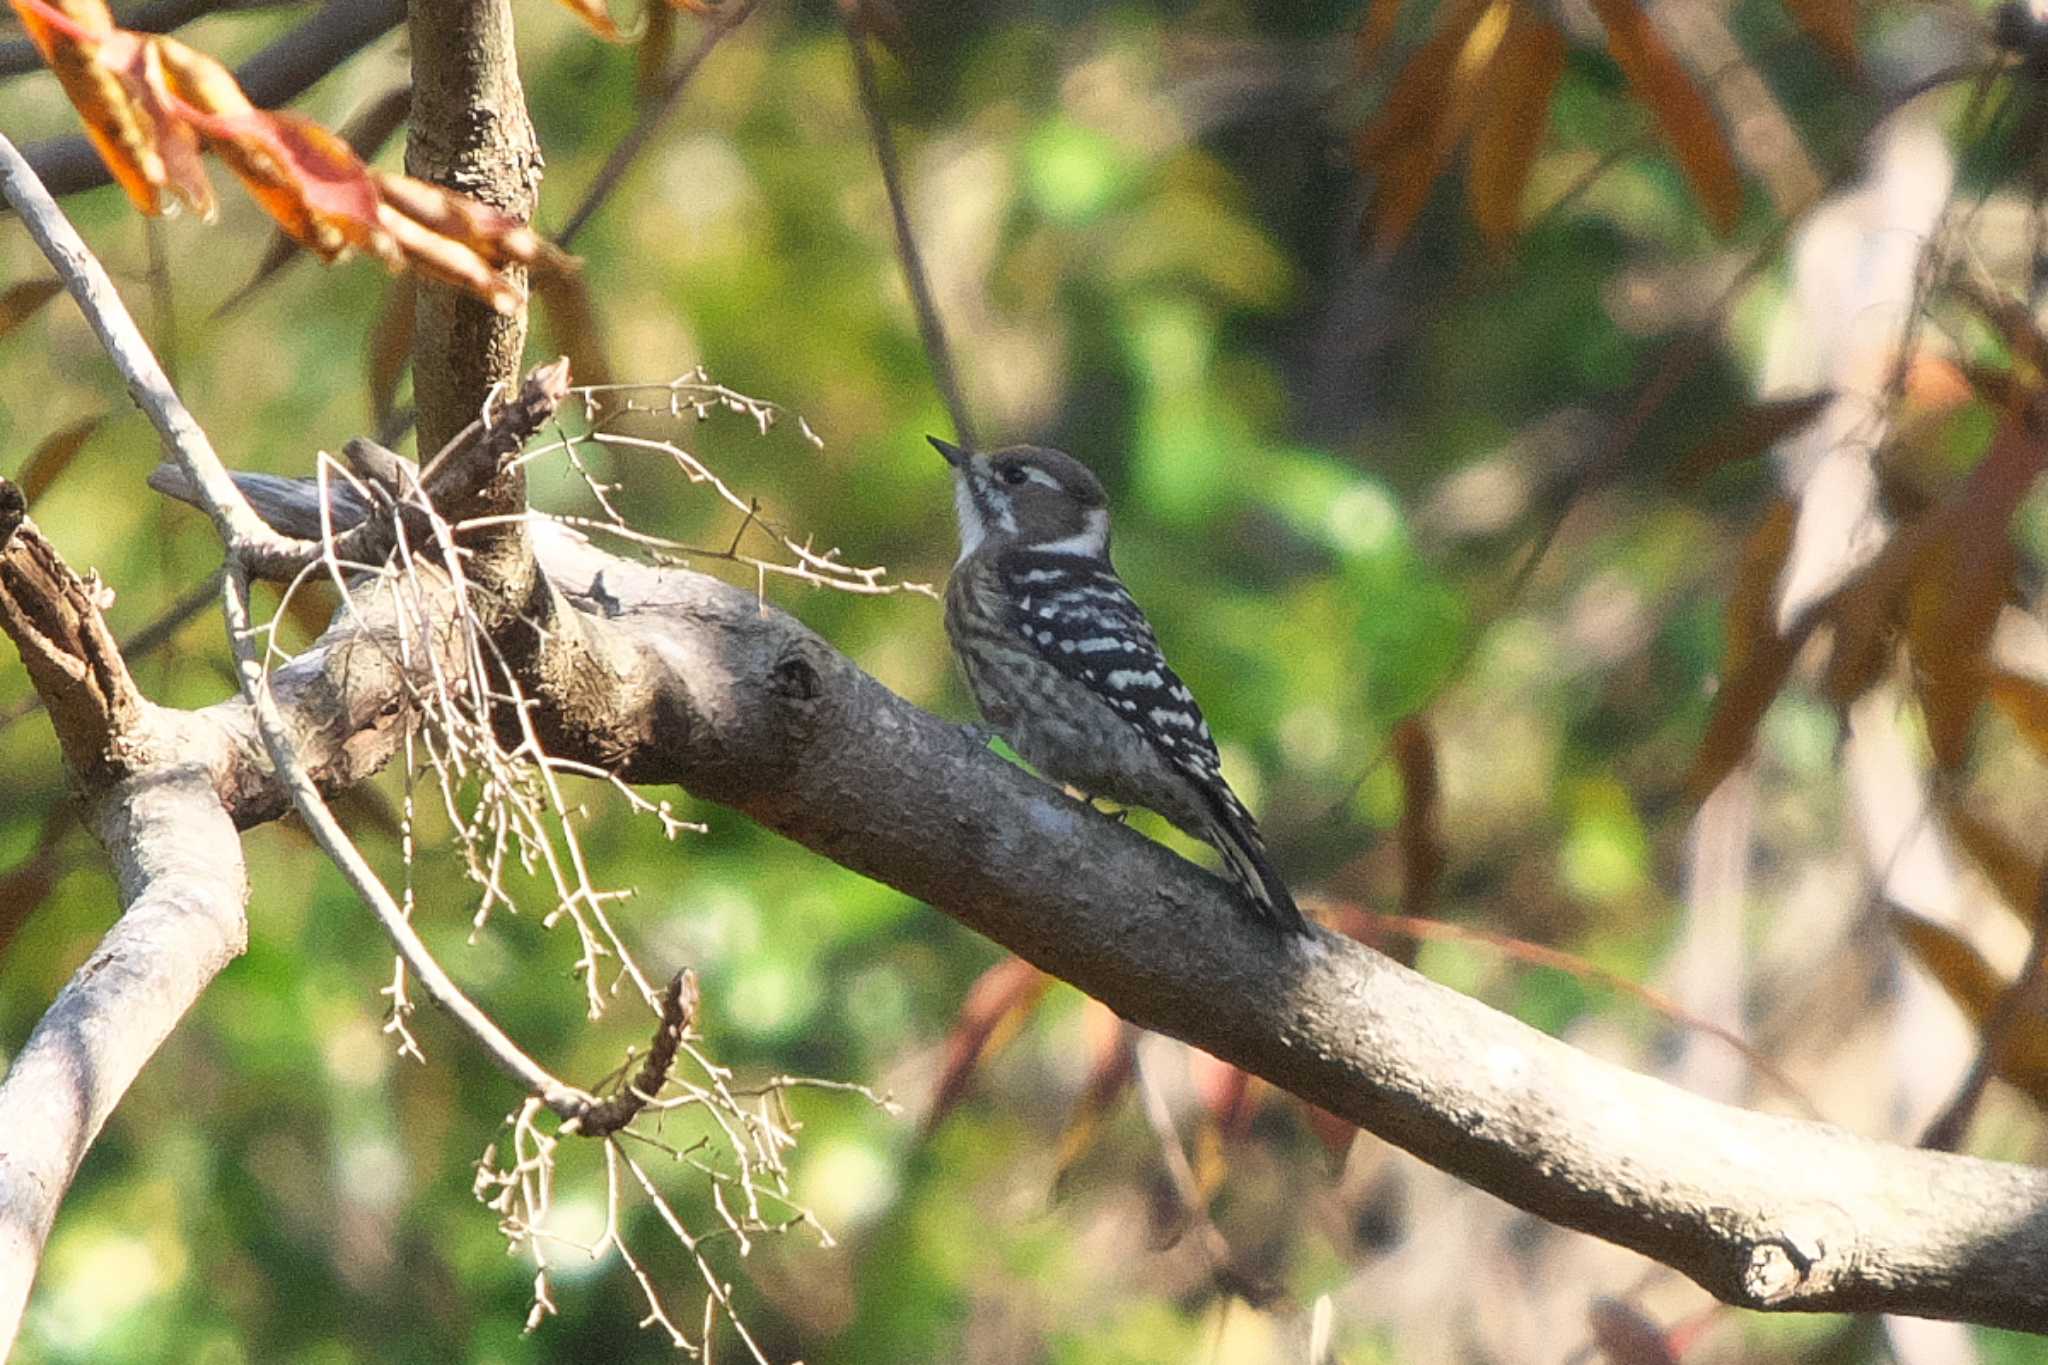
{"type": "Point", "coordinates": [1141, 220]}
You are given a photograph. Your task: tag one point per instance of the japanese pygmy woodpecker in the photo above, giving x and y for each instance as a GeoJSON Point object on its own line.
{"type": "Point", "coordinates": [1065, 666]}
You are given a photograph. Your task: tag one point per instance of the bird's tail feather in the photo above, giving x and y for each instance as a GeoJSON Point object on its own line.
{"type": "Point", "coordinates": [1236, 837]}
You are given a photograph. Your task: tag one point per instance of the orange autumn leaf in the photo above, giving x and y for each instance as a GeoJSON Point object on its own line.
{"type": "Point", "coordinates": [596, 16]}
{"type": "Point", "coordinates": [994, 1010]}
{"type": "Point", "coordinates": [1510, 130]}
{"type": "Point", "coordinates": [152, 102]}
{"type": "Point", "coordinates": [1758, 658]}
{"type": "Point", "coordinates": [1428, 112]}
{"type": "Point", "coordinates": [1111, 1061]}
{"type": "Point", "coordinates": [1687, 120]}
{"type": "Point", "coordinates": [114, 80]}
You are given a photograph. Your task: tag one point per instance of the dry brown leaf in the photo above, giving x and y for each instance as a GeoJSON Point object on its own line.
{"type": "Point", "coordinates": [2016, 874]}
{"type": "Point", "coordinates": [54, 454]}
{"type": "Point", "coordinates": [1376, 32]}
{"type": "Point", "coordinates": [2022, 1054]}
{"type": "Point", "coordinates": [1757, 658]}
{"type": "Point", "coordinates": [1684, 115]}
{"type": "Point", "coordinates": [2025, 703]}
{"type": "Point", "coordinates": [990, 1016]}
{"type": "Point", "coordinates": [1225, 1091]}
{"type": "Point", "coordinates": [389, 349]}
{"type": "Point", "coordinates": [657, 44]}
{"type": "Point", "coordinates": [1959, 584]}
{"type": "Point", "coordinates": [23, 301]}
{"type": "Point", "coordinates": [1510, 129]}
{"type": "Point", "coordinates": [1831, 23]}
{"type": "Point", "coordinates": [1421, 831]}
{"type": "Point", "coordinates": [565, 302]}
{"type": "Point", "coordinates": [1432, 103]}
{"type": "Point", "coordinates": [1625, 1335]}
{"type": "Point", "coordinates": [1750, 433]}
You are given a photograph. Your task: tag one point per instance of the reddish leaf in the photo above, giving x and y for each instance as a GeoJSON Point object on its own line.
{"type": "Point", "coordinates": [1334, 1133]}
{"type": "Point", "coordinates": [114, 80]}
{"type": "Point", "coordinates": [1225, 1091]}
{"type": "Point", "coordinates": [1626, 1336]}
{"type": "Point", "coordinates": [1510, 129]}
{"type": "Point", "coordinates": [54, 455]}
{"type": "Point", "coordinates": [1110, 1059]}
{"type": "Point", "coordinates": [1750, 433]}
{"type": "Point", "coordinates": [365, 135]}
{"type": "Point", "coordinates": [23, 301]}
{"type": "Point", "coordinates": [990, 1016]}
{"type": "Point", "coordinates": [1687, 120]}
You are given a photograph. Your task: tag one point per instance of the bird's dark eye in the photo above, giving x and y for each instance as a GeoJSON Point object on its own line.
{"type": "Point", "coordinates": [1014, 474]}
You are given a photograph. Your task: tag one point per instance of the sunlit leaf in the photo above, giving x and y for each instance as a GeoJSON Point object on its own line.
{"type": "Point", "coordinates": [1681, 111]}
{"type": "Point", "coordinates": [115, 81]}
{"type": "Point", "coordinates": [1750, 433]}
{"type": "Point", "coordinates": [1510, 129]}
{"type": "Point", "coordinates": [23, 301]}
{"type": "Point", "coordinates": [365, 135]}
{"type": "Point", "coordinates": [594, 14]}
{"type": "Point", "coordinates": [2021, 1056]}
{"type": "Point", "coordinates": [54, 455]}
{"type": "Point", "coordinates": [990, 1016]}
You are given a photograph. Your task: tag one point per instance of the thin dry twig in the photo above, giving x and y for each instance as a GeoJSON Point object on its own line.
{"type": "Point", "coordinates": [931, 327]}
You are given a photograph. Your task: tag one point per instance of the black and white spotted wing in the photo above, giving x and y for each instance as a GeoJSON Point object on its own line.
{"type": "Point", "coordinates": [1077, 614]}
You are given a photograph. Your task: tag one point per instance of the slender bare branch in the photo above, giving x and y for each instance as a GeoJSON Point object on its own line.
{"type": "Point", "coordinates": [929, 324]}
{"type": "Point", "coordinates": [654, 112]}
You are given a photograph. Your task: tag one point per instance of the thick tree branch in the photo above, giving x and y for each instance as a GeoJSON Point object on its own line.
{"type": "Point", "coordinates": [179, 864]}
{"type": "Point", "coordinates": [742, 705]}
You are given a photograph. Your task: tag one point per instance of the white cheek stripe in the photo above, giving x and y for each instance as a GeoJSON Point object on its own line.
{"type": "Point", "coordinates": [1092, 539]}
{"type": "Point", "coordinates": [968, 512]}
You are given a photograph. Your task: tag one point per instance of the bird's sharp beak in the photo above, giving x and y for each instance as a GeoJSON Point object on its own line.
{"type": "Point", "coordinates": [955, 456]}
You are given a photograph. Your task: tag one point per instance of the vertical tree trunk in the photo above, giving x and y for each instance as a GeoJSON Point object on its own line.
{"type": "Point", "coordinates": [469, 132]}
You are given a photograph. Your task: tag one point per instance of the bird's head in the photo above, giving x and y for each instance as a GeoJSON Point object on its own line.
{"type": "Point", "coordinates": [1027, 497]}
